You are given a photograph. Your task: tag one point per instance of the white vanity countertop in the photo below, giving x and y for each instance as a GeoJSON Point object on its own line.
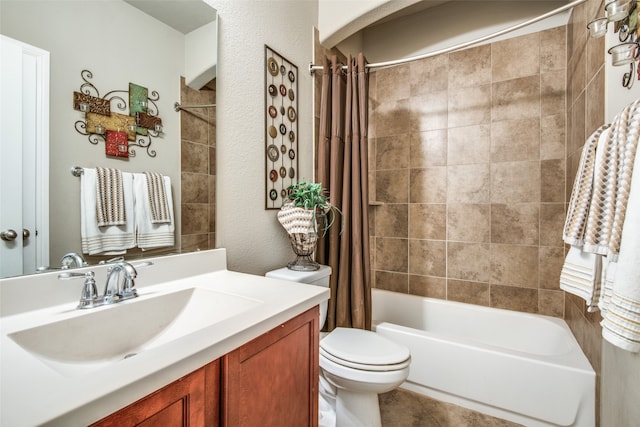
{"type": "Point", "coordinates": [33, 393]}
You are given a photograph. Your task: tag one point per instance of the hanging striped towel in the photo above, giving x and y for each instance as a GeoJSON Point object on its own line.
{"type": "Point", "coordinates": [110, 208]}
{"type": "Point", "coordinates": [611, 183]}
{"type": "Point", "coordinates": [158, 204]}
{"type": "Point", "coordinates": [581, 195]}
{"type": "Point", "coordinates": [581, 275]}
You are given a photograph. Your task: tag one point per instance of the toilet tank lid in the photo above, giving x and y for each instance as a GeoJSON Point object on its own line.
{"type": "Point", "coordinates": [300, 276]}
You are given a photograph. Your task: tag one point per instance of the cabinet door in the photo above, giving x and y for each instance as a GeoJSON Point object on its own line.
{"type": "Point", "coordinates": [273, 380]}
{"type": "Point", "coordinates": [180, 404]}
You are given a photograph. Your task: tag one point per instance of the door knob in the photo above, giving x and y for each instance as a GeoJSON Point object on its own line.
{"type": "Point", "coordinates": [8, 235]}
{"type": "Point", "coordinates": [25, 234]}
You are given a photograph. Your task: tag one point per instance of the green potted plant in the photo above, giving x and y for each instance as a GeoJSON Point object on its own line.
{"type": "Point", "coordinates": [306, 210]}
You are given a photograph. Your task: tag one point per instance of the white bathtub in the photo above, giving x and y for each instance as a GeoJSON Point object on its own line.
{"type": "Point", "coordinates": [522, 367]}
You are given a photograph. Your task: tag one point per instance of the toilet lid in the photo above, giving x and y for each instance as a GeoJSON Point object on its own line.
{"type": "Point", "coordinates": [360, 347]}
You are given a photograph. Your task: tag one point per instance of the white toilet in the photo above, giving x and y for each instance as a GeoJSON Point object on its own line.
{"type": "Point", "coordinates": [357, 364]}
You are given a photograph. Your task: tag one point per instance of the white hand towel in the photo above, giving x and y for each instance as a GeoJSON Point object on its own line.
{"type": "Point", "coordinates": [150, 235]}
{"type": "Point", "coordinates": [621, 321]}
{"type": "Point", "coordinates": [108, 240]}
{"type": "Point", "coordinates": [581, 275]}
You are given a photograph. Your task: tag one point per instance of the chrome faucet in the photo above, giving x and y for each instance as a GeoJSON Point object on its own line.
{"type": "Point", "coordinates": [72, 258]}
{"type": "Point", "coordinates": [112, 290]}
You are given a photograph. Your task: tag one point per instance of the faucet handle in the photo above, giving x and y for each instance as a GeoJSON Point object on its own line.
{"type": "Point", "coordinates": [89, 297]}
{"type": "Point", "coordinates": [111, 260]}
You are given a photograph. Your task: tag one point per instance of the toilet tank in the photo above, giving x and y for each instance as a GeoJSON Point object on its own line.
{"type": "Point", "coordinates": [318, 278]}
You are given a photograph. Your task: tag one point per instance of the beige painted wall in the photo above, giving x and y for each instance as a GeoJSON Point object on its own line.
{"type": "Point", "coordinates": [255, 241]}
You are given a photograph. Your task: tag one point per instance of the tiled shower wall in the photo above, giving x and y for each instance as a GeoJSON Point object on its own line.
{"type": "Point", "coordinates": [198, 168]}
{"type": "Point", "coordinates": [468, 159]}
{"type": "Point", "coordinates": [585, 113]}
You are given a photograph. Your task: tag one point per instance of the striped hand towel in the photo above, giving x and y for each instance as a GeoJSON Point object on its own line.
{"type": "Point", "coordinates": [582, 192]}
{"type": "Point", "coordinates": [110, 208]}
{"type": "Point", "coordinates": [158, 204]}
{"type": "Point", "coordinates": [581, 275]}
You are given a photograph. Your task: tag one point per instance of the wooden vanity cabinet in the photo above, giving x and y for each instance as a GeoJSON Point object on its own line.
{"type": "Point", "coordinates": [273, 380]}
{"type": "Point", "coordinates": [193, 400]}
{"type": "Point", "coordinates": [269, 381]}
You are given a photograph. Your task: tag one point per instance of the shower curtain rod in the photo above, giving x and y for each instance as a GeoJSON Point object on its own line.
{"type": "Point", "coordinates": [179, 107]}
{"type": "Point", "coordinates": [561, 9]}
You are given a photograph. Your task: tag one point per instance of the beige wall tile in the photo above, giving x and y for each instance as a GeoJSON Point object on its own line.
{"type": "Point", "coordinates": [553, 49]}
{"type": "Point", "coordinates": [578, 70]}
{"type": "Point", "coordinates": [552, 175]}
{"type": "Point", "coordinates": [516, 99]}
{"type": "Point", "coordinates": [427, 257]}
{"type": "Point", "coordinates": [578, 134]}
{"type": "Point", "coordinates": [595, 56]}
{"type": "Point", "coordinates": [194, 242]}
{"type": "Point", "coordinates": [392, 254]}
{"type": "Point", "coordinates": [428, 148]}
{"type": "Point", "coordinates": [429, 112]}
{"type": "Point", "coordinates": [392, 84]}
{"type": "Point", "coordinates": [551, 303]}
{"type": "Point", "coordinates": [474, 170]}
{"type": "Point", "coordinates": [195, 218]}
{"type": "Point", "coordinates": [595, 103]}
{"type": "Point", "coordinates": [511, 61]}
{"type": "Point", "coordinates": [392, 186]}
{"type": "Point", "coordinates": [468, 183]}
{"type": "Point", "coordinates": [551, 260]}
{"type": "Point", "coordinates": [513, 298]}
{"type": "Point", "coordinates": [469, 144]}
{"type": "Point", "coordinates": [553, 92]}
{"type": "Point", "coordinates": [428, 185]}
{"type": "Point", "coordinates": [515, 140]}
{"type": "Point", "coordinates": [392, 152]}
{"type": "Point", "coordinates": [470, 67]}
{"type": "Point", "coordinates": [392, 220]}
{"type": "Point", "coordinates": [390, 281]}
{"type": "Point", "coordinates": [515, 182]}
{"type": "Point", "coordinates": [469, 106]}
{"type": "Point", "coordinates": [194, 188]}
{"type": "Point", "coordinates": [552, 137]}
{"type": "Point", "coordinates": [426, 286]}
{"type": "Point", "coordinates": [194, 157]}
{"type": "Point", "coordinates": [393, 117]}
{"type": "Point", "coordinates": [468, 261]}
{"type": "Point", "coordinates": [514, 265]}
{"type": "Point", "coordinates": [516, 224]}
{"type": "Point", "coordinates": [552, 217]}
{"type": "Point", "coordinates": [468, 292]}
{"type": "Point", "coordinates": [469, 222]}
{"type": "Point", "coordinates": [429, 75]}
{"type": "Point", "coordinates": [428, 221]}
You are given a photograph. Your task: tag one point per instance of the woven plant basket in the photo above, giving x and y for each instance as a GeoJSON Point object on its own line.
{"type": "Point", "coordinates": [301, 227]}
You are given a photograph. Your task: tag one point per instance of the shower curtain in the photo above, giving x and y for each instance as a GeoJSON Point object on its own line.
{"type": "Point", "coordinates": [343, 170]}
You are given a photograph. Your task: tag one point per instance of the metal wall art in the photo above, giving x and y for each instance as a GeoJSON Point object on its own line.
{"type": "Point", "coordinates": [120, 132]}
{"type": "Point", "coordinates": [281, 127]}
{"type": "Point", "coordinates": [624, 15]}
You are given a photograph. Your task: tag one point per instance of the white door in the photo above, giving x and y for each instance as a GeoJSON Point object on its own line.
{"type": "Point", "coordinates": [24, 157]}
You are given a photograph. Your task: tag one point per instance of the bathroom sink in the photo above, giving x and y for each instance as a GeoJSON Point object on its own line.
{"type": "Point", "coordinates": [98, 337]}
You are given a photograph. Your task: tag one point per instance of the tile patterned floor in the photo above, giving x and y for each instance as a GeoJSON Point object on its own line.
{"type": "Point", "coordinates": [402, 408]}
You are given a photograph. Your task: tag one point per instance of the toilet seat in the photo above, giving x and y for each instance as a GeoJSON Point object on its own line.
{"type": "Point", "coordinates": [364, 350]}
